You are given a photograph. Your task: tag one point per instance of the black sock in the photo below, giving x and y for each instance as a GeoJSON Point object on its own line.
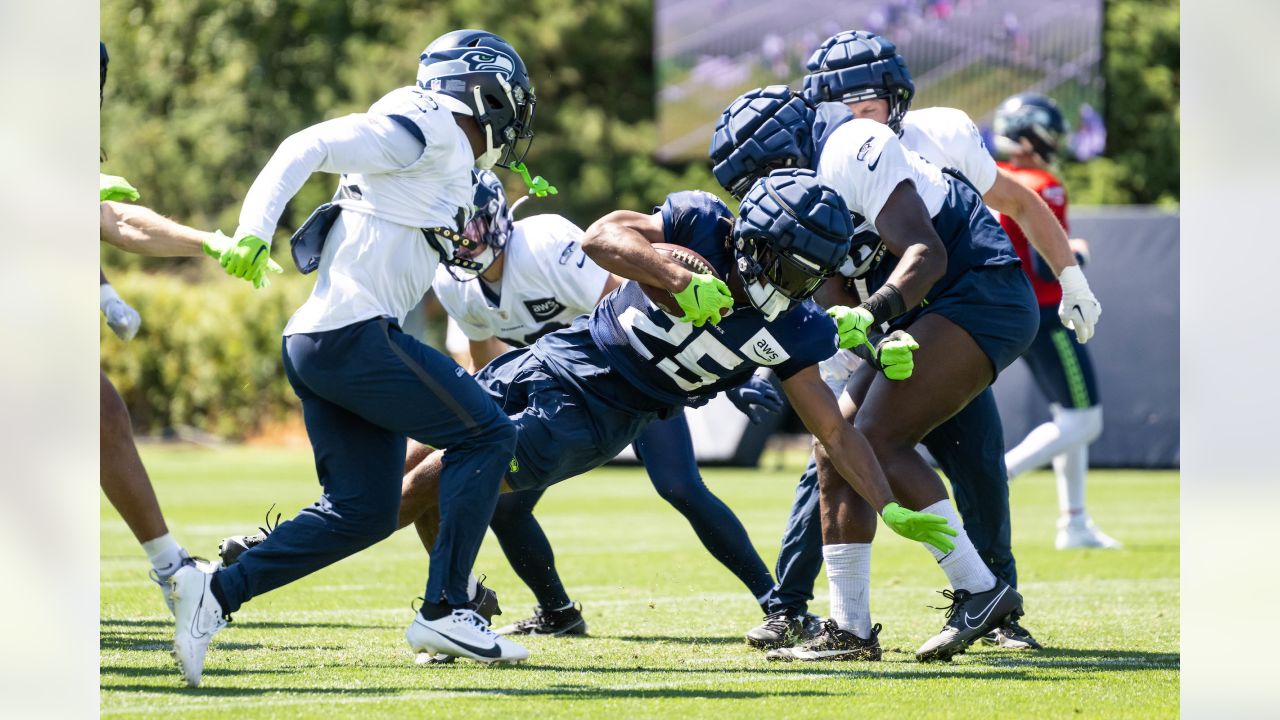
{"type": "Point", "coordinates": [216, 588]}
{"type": "Point", "coordinates": [434, 611]}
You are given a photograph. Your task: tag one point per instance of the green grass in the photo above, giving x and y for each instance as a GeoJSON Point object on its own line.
{"type": "Point", "coordinates": [666, 620]}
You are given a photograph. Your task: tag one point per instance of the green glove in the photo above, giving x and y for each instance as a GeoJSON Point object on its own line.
{"type": "Point", "coordinates": [703, 298]}
{"type": "Point", "coordinates": [114, 187]}
{"type": "Point", "coordinates": [918, 526]}
{"type": "Point", "coordinates": [247, 259]}
{"type": "Point", "coordinates": [852, 324]}
{"type": "Point", "coordinates": [893, 354]}
{"type": "Point", "coordinates": [215, 244]}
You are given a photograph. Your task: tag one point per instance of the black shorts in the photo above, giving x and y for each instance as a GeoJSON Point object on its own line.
{"type": "Point", "coordinates": [995, 305]}
{"type": "Point", "coordinates": [1061, 365]}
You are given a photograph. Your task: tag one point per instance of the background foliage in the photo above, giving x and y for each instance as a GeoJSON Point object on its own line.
{"type": "Point", "coordinates": [200, 93]}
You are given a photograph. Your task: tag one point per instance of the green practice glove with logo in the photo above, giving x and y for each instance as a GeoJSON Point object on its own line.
{"type": "Point", "coordinates": [703, 298]}
{"type": "Point", "coordinates": [918, 526]}
{"type": "Point", "coordinates": [114, 187]}
{"type": "Point", "coordinates": [248, 258]}
{"type": "Point", "coordinates": [852, 325]}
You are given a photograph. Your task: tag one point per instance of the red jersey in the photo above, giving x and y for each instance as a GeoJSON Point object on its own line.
{"type": "Point", "coordinates": [1050, 189]}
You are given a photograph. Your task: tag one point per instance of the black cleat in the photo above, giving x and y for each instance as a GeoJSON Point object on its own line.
{"type": "Point", "coordinates": [784, 627]}
{"type": "Point", "coordinates": [832, 643]}
{"type": "Point", "coordinates": [969, 617]}
{"type": "Point", "coordinates": [230, 549]}
{"type": "Point", "coordinates": [568, 621]}
{"type": "Point", "coordinates": [1011, 636]}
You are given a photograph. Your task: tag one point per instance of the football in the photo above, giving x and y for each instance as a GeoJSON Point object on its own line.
{"type": "Point", "coordinates": [689, 259]}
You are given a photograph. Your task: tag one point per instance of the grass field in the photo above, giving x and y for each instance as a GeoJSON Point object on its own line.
{"type": "Point", "coordinates": [666, 620]}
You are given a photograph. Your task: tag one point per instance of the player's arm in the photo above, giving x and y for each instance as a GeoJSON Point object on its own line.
{"type": "Point", "coordinates": [907, 231]}
{"type": "Point", "coordinates": [143, 231]}
{"type": "Point", "coordinates": [610, 284]}
{"type": "Point", "coordinates": [123, 320]}
{"type": "Point", "coordinates": [358, 143]}
{"type": "Point", "coordinates": [854, 459]}
{"type": "Point", "coordinates": [620, 243]}
{"type": "Point", "coordinates": [1044, 231]}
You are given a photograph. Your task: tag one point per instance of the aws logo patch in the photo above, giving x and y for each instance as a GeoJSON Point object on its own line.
{"type": "Point", "coordinates": [544, 309]}
{"type": "Point", "coordinates": [764, 349]}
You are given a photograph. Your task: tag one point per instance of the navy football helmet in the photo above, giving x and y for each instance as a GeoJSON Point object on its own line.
{"type": "Point", "coordinates": [792, 233]}
{"type": "Point", "coordinates": [479, 74]}
{"type": "Point", "coordinates": [764, 129]}
{"type": "Point", "coordinates": [485, 236]}
{"type": "Point", "coordinates": [1031, 117]}
{"type": "Point", "coordinates": [859, 65]}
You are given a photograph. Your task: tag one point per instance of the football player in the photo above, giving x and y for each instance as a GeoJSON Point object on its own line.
{"type": "Point", "coordinates": [581, 394]}
{"type": "Point", "coordinates": [124, 479]}
{"type": "Point", "coordinates": [865, 72]}
{"type": "Point", "coordinates": [402, 200]}
{"type": "Point", "coordinates": [948, 275]}
{"type": "Point", "coordinates": [1028, 130]}
{"type": "Point", "coordinates": [520, 281]}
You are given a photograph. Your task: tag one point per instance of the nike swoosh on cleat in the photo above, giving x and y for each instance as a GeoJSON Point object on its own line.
{"type": "Point", "coordinates": [492, 651]}
{"type": "Point", "coordinates": [986, 612]}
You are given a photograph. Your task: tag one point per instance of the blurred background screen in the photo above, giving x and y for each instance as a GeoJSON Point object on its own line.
{"type": "Point", "coordinates": [967, 54]}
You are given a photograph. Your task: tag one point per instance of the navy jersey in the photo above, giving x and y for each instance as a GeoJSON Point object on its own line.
{"type": "Point", "coordinates": [659, 361]}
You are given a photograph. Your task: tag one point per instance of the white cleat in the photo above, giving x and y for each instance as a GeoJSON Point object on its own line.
{"type": "Point", "coordinates": [161, 578]}
{"type": "Point", "coordinates": [198, 617]}
{"type": "Point", "coordinates": [1080, 532]}
{"type": "Point", "coordinates": [462, 633]}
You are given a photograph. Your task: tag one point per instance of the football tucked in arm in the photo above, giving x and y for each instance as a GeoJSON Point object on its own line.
{"type": "Point", "coordinates": [693, 262]}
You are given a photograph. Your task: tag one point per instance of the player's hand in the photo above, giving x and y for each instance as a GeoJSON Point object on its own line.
{"type": "Point", "coordinates": [215, 243]}
{"type": "Point", "coordinates": [1079, 309]}
{"type": "Point", "coordinates": [114, 187]}
{"type": "Point", "coordinates": [894, 354]}
{"type": "Point", "coordinates": [248, 259]}
{"type": "Point", "coordinates": [703, 299]}
{"type": "Point", "coordinates": [755, 398]}
{"type": "Point", "coordinates": [851, 324]}
{"type": "Point", "coordinates": [918, 526]}
{"type": "Point", "coordinates": [123, 320]}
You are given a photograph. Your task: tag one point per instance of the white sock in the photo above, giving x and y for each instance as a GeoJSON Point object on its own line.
{"type": "Point", "coordinates": [849, 584]}
{"type": "Point", "coordinates": [473, 584]}
{"type": "Point", "coordinates": [1069, 428]}
{"type": "Point", "coordinates": [165, 554]}
{"type": "Point", "coordinates": [1071, 468]}
{"type": "Point", "coordinates": [964, 569]}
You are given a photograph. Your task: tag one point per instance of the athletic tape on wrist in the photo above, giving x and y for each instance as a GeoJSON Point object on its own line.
{"type": "Point", "coordinates": [886, 304]}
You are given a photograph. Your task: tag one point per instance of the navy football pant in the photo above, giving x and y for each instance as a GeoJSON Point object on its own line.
{"type": "Point", "coordinates": [969, 448]}
{"type": "Point", "coordinates": [666, 450]}
{"type": "Point", "coordinates": [364, 388]}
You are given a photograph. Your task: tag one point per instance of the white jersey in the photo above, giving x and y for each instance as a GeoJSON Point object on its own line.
{"type": "Point", "coordinates": [547, 281]}
{"type": "Point", "coordinates": [405, 165]}
{"type": "Point", "coordinates": [865, 161]}
{"type": "Point", "coordinates": [947, 137]}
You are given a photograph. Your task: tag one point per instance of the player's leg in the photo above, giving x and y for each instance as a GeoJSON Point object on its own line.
{"type": "Point", "coordinates": [1064, 372]}
{"type": "Point", "coordinates": [799, 561]}
{"type": "Point", "coordinates": [124, 481]}
{"type": "Point", "coordinates": [969, 448]}
{"type": "Point", "coordinates": [848, 526]}
{"type": "Point", "coordinates": [666, 449]}
{"type": "Point", "coordinates": [529, 551]}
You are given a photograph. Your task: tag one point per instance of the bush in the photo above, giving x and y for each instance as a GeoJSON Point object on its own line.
{"type": "Point", "coordinates": [207, 355]}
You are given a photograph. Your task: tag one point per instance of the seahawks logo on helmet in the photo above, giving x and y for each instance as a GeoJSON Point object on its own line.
{"type": "Point", "coordinates": [478, 60]}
